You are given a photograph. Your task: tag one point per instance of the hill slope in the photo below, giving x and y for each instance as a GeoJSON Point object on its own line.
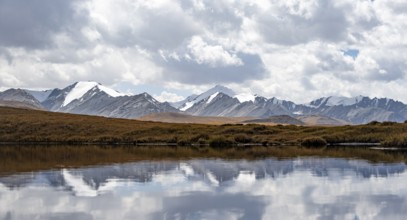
{"type": "Point", "coordinates": [170, 117]}
{"type": "Point", "coordinates": [321, 120]}
{"type": "Point", "coordinates": [278, 119]}
{"type": "Point", "coordinates": [24, 125]}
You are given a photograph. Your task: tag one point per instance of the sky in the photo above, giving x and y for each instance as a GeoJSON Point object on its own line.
{"type": "Point", "coordinates": [292, 49]}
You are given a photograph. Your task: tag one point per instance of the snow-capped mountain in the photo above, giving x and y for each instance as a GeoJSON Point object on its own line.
{"type": "Point", "coordinates": [194, 99]}
{"type": "Point", "coordinates": [89, 98]}
{"type": "Point", "coordinates": [221, 101]}
{"type": "Point", "coordinates": [95, 99]}
{"type": "Point", "coordinates": [182, 104]}
{"type": "Point", "coordinates": [357, 110]}
{"type": "Point", "coordinates": [360, 110]}
{"type": "Point", "coordinates": [217, 104]}
{"type": "Point", "coordinates": [209, 95]}
{"type": "Point", "coordinates": [80, 89]}
{"type": "Point", "coordinates": [75, 94]}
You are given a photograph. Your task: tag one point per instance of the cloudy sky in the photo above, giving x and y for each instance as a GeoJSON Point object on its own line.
{"type": "Point", "coordinates": [292, 49]}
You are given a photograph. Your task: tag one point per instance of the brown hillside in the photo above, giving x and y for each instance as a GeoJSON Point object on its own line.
{"type": "Point", "coordinates": [32, 126]}
{"type": "Point", "coordinates": [170, 117]}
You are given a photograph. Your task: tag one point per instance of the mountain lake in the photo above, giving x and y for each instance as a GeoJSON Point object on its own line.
{"type": "Point", "coordinates": [296, 187]}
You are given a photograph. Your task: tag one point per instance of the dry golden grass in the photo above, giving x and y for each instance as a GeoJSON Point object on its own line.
{"type": "Point", "coordinates": [30, 126]}
{"type": "Point", "coordinates": [170, 117]}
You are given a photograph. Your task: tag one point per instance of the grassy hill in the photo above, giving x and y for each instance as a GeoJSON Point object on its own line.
{"type": "Point", "coordinates": [321, 120]}
{"type": "Point", "coordinates": [279, 119]}
{"type": "Point", "coordinates": [171, 117]}
{"type": "Point", "coordinates": [32, 126]}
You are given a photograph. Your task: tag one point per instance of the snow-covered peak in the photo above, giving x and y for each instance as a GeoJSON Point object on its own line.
{"type": "Point", "coordinates": [81, 88]}
{"type": "Point", "coordinates": [208, 95]}
{"type": "Point", "coordinates": [181, 104]}
{"type": "Point", "coordinates": [216, 89]}
{"type": "Point", "coordinates": [149, 98]}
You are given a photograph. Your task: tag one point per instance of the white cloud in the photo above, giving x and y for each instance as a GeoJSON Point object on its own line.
{"type": "Point", "coordinates": [214, 56]}
{"type": "Point", "coordinates": [290, 49]}
{"type": "Point", "coordinates": [168, 97]}
{"type": "Point", "coordinates": [314, 188]}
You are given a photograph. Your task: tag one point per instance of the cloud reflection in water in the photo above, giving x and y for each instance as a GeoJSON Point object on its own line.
{"type": "Point", "coordinates": [211, 189]}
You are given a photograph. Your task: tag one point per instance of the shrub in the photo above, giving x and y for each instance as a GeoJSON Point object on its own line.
{"type": "Point", "coordinates": [183, 142]}
{"type": "Point", "coordinates": [395, 142]}
{"type": "Point", "coordinates": [243, 138]}
{"type": "Point", "coordinates": [373, 123]}
{"type": "Point", "coordinates": [259, 128]}
{"type": "Point", "coordinates": [314, 142]}
{"type": "Point", "coordinates": [198, 137]}
{"type": "Point", "coordinates": [202, 141]}
{"type": "Point", "coordinates": [220, 142]}
{"type": "Point", "coordinates": [389, 123]}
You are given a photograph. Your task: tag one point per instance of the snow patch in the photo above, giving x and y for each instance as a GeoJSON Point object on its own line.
{"type": "Point", "coordinates": [212, 97]}
{"type": "Point", "coordinates": [109, 91]}
{"type": "Point", "coordinates": [212, 178]}
{"type": "Point", "coordinates": [78, 185]}
{"type": "Point", "coordinates": [187, 106]}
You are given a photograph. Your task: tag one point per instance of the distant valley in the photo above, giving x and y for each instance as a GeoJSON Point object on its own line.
{"type": "Point", "coordinates": [217, 105]}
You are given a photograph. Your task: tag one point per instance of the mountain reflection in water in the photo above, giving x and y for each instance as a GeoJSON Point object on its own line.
{"type": "Point", "coordinates": [210, 189]}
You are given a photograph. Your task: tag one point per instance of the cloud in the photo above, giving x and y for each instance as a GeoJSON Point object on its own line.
{"type": "Point", "coordinates": [192, 72]}
{"type": "Point", "coordinates": [214, 56]}
{"type": "Point", "coordinates": [32, 24]}
{"type": "Point", "coordinates": [296, 22]}
{"type": "Point", "coordinates": [152, 25]}
{"type": "Point", "coordinates": [168, 97]}
{"type": "Point", "coordinates": [290, 49]}
{"type": "Point", "coordinates": [330, 188]}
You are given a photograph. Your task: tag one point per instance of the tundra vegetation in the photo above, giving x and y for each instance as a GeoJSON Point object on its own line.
{"type": "Point", "coordinates": [23, 126]}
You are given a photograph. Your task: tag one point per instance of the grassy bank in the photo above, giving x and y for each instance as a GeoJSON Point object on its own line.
{"type": "Point", "coordinates": [14, 159]}
{"type": "Point", "coordinates": [30, 126]}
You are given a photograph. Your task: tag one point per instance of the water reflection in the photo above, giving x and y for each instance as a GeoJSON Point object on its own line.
{"type": "Point", "coordinates": [211, 189]}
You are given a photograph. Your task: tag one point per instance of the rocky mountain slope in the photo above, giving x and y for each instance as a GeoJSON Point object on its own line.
{"type": "Point", "coordinates": [357, 110]}
{"type": "Point", "coordinates": [19, 98]}
{"type": "Point", "coordinates": [95, 99]}
{"type": "Point", "coordinates": [92, 98]}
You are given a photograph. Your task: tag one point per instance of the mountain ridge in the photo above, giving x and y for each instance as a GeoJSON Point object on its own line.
{"type": "Point", "coordinates": [93, 98]}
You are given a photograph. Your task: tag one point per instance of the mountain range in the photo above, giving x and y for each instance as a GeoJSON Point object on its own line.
{"type": "Point", "coordinates": [92, 98]}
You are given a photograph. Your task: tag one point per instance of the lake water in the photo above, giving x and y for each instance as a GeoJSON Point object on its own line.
{"type": "Point", "coordinates": [299, 188]}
